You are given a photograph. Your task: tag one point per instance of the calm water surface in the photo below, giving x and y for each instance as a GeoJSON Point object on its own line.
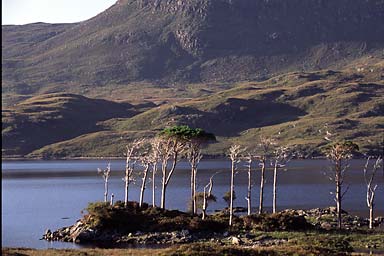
{"type": "Point", "coordinates": [37, 195]}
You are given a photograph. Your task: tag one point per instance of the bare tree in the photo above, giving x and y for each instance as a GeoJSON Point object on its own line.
{"type": "Point", "coordinates": [281, 156]}
{"type": "Point", "coordinates": [234, 152]}
{"type": "Point", "coordinates": [265, 146]}
{"type": "Point", "coordinates": [130, 165]}
{"type": "Point", "coordinates": [105, 174]}
{"type": "Point", "coordinates": [371, 188]}
{"type": "Point", "coordinates": [171, 148]}
{"type": "Point", "coordinates": [194, 156]}
{"type": "Point", "coordinates": [145, 162]}
{"type": "Point", "coordinates": [112, 197]}
{"type": "Point", "coordinates": [207, 196]}
{"type": "Point", "coordinates": [339, 154]}
{"type": "Point", "coordinates": [196, 138]}
{"type": "Point", "coordinates": [249, 160]}
{"type": "Point", "coordinates": [154, 159]}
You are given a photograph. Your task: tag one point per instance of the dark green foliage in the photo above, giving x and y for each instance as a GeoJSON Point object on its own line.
{"type": "Point", "coordinates": [329, 246]}
{"type": "Point", "coordinates": [276, 221]}
{"type": "Point", "coordinates": [208, 225]}
{"type": "Point", "coordinates": [186, 133]}
{"type": "Point", "coordinates": [147, 219]}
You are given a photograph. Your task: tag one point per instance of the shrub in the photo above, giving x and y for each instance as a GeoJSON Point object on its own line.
{"type": "Point", "coordinates": [207, 225]}
{"type": "Point", "coordinates": [329, 246]}
{"type": "Point", "coordinates": [276, 221]}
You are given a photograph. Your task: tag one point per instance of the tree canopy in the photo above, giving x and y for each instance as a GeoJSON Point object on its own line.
{"type": "Point", "coordinates": [184, 132]}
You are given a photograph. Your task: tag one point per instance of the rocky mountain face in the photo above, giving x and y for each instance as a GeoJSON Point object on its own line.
{"type": "Point", "coordinates": [173, 41]}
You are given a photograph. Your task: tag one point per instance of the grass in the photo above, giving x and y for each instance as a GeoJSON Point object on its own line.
{"type": "Point", "coordinates": [298, 107]}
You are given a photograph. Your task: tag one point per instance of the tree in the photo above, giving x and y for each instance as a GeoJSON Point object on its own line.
{"type": "Point", "coordinates": [172, 144]}
{"type": "Point", "coordinates": [105, 174]}
{"type": "Point", "coordinates": [203, 198]}
{"type": "Point", "coordinates": [195, 137]}
{"type": "Point", "coordinates": [154, 159]}
{"type": "Point", "coordinates": [249, 160]}
{"type": "Point", "coordinates": [281, 156]}
{"type": "Point", "coordinates": [265, 146]}
{"type": "Point", "coordinates": [145, 162]}
{"type": "Point", "coordinates": [130, 165]}
{"type": "Point", "coordinates": [370, 187]}
{"type": "Point", "coordinates": [339, 154]}
{"type": "Point", "coordinates": [234, 152]}
{"type": "Point", "coordinates": [207, 196]}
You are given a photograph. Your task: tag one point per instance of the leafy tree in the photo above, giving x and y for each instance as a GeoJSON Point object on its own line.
{"type": "Point", "coordinates": [172, 144]}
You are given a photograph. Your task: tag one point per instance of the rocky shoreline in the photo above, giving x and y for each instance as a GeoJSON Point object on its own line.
{"type": "Point", "coordinates": [321, 219]}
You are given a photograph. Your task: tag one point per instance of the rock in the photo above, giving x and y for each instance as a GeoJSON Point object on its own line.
{"type": "Point", "coordinates": [236, 241]}
{"type": "Point", "coordinates": [326, 225]}
{"type": "Point", "coordinates": [225, 234]}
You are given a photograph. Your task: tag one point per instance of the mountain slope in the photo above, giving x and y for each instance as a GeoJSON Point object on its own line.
{"type": "Point", "coordinates": [51, 118]}
{"type": "Point", "coordinates": [193, 41]}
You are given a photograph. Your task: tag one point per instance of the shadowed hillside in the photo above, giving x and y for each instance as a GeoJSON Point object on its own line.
{"type": "Point", "coordinates": [51, 118]}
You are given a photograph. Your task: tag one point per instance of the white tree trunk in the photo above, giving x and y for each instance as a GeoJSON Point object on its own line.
{"type": "Point", "coordinates": [338, 193]}
{"type": "Point", "coordinates": [274, 187]}
{"type": "Point", "coordinates": [231, 198]}
{"type": "Point", "coordinates": [249, 196]}
{"type": "Point", "coordinates": [106, 190]}
{"type": "Point", "coordinates": [163, 187]}
{"type": "Point", "coordinates": [262, 187]}
{"type": "Point", "coordinates": [204, 204]}
{"type": "Point", "coordinates": [126, 192]}
{"type": "Point", "coordinates": [142, 189]}
{"type": "Point", "coordinates": [112, 196]}
{"type": "Point", "coordinates": [154, 185]}
{"type": "Point", "coordinates": [371, 217]}
{"type": "Point", "coordinates": [192, 192]}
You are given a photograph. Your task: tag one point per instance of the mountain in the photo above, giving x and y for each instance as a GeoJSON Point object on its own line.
{"type": "Point", "coordinates": [237, 68]}
{"type": "Point", "coordinates": [163, 42]}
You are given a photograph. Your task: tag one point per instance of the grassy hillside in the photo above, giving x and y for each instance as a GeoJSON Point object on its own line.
{"type": "Point", "coordinates": [297, 107]}
{"type": "Point", "coordinates": [51, 118]}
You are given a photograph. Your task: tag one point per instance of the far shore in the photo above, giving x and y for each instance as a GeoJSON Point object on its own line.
{"type": "Point", "coordinates": [206, 157]}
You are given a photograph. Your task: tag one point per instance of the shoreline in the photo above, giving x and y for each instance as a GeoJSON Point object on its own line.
{"type": "Point", "coordinates": [206, 157]}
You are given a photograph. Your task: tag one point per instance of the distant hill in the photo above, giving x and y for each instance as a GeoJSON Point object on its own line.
{"type": "Point", "coordinates": [299, 108]}
{"type": "Point", "coordinates": [51, 118]}
{"type": "Point", "coordinates": [197, 41]}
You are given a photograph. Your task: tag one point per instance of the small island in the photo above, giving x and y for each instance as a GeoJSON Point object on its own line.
{"type": "Point", "coordinates": [289, 232]}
